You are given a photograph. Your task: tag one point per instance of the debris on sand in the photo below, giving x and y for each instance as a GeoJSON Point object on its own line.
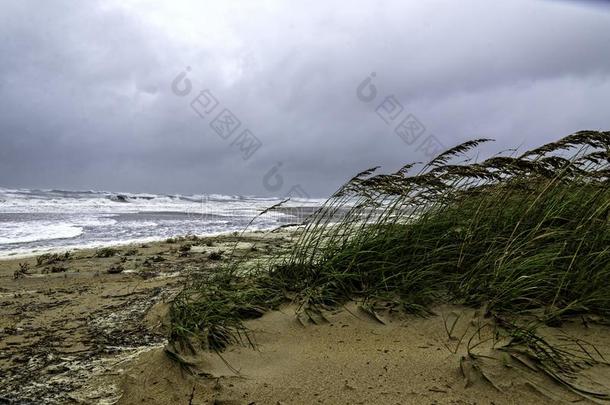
{"type": "Point", "coordinates": [116, 269]}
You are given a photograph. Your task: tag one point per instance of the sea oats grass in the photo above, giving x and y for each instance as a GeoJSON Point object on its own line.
{"type": "Point", "coordinates": [514, 234]}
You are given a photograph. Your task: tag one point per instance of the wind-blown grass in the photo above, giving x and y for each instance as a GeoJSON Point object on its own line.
{"type": "Point", "coordinates": [511, 234]}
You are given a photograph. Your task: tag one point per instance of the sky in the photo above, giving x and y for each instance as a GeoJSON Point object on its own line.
{"type": "Point", "coordinates": [284, 97]}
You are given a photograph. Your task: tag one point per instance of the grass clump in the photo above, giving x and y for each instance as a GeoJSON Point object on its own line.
{"type": "Point", "coordinates": [514, 234]}
{"type": "Point", "coordinates": [106, 252]}
{"type": "Point", "coordinates": [209, 313]}
{"type": "Point", "coordinates": [52, 258]}
{"type": "Point", "coordinates": [24, 269]}
{"type": "Point", "coordinates": [131, 252]}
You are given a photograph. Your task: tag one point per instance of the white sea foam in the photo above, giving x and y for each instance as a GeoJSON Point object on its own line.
{"type": "Point", "coordinates": [43, 220]}
{"type": "Point", "coordinates": [23, 232]}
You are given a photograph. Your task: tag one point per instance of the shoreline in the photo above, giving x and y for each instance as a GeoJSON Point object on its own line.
{"type": "Point", "coordinates": [131, 242]}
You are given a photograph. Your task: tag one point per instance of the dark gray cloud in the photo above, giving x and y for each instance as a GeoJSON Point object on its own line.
{"type": "Point", "coordinates": [86, 99]}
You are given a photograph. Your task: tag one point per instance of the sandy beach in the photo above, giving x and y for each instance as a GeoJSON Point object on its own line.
{"type": "Point", "coordinates": [295, 203]}
{"type": "Point", "coordinates": [72, 332]}
{"type": "Point", "coordinates": [66, 325]}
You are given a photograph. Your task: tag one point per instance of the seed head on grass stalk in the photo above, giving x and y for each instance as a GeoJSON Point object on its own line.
{"type": "Point", "coordinates": [512, 233]}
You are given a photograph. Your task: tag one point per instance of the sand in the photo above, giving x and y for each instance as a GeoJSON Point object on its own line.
{"type": "Point", "coordinates": [352, 359]}
{"type": "Point", "coordinates": [70, 323]}
{"type": "Point", "coordinates": [86, 336]}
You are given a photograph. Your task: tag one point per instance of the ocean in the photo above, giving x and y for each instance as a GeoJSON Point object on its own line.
{"type": "Point", "coordinates": [37, 221]}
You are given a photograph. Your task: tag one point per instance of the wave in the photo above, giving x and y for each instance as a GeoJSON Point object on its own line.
{"type": "Point", "coordinates": [34, 219]}
{"type": "Point", "coordinates": [58, 201]}
{"type": "Point", "coordinates": [24, 232]}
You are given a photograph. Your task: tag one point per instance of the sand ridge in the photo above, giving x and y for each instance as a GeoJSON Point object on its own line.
{"type": "Point", "coordinates": [351, 359]}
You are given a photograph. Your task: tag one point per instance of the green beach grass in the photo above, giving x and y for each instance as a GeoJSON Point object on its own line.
{"type": "Point", "coordinates": [523, 235]}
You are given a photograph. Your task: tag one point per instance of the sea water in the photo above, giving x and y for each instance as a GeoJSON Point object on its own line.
{"type": "Point", "coordinates": [34, 221]}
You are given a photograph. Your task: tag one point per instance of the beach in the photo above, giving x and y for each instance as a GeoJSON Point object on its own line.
{"type": "Point", "coordinates": [296, 203]}
{"type": "Point", "coordinates": [72, 332]}
{"type": "Point", "coordinates": [67, 322]}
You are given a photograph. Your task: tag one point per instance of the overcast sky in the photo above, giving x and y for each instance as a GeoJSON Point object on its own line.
{"type": "Point", "coordinates": [91, 98]}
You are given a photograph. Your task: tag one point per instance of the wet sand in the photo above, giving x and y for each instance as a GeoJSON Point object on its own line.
{"type": "Point", "coordinates": [71, 332]}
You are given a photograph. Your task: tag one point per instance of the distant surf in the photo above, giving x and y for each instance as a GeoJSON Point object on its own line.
{"type": "Point", "coordinates": [43, 220]}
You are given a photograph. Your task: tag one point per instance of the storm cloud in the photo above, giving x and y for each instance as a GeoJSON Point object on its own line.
{"type": "Point", "coordinates": [86, 97]}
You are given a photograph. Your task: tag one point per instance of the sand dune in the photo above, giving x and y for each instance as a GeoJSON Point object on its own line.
{"type": "Point", "coordinates": [84, 335]}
